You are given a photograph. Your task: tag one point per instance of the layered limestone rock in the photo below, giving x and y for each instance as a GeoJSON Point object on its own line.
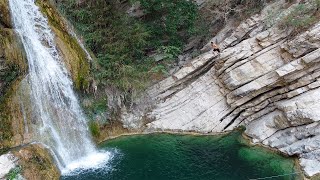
{"type": "Point", "coordinates": [263, 79]}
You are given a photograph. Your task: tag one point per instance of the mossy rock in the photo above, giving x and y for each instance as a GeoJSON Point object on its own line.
{"type": "Point", "coordinates": [74, 56]}
{"type": "Point", "coordinates": [11, 50]}
{"type": "Point", "coordinates": [36, 163]}
{"type": "Point", "coordinates": [12, 125]}
{"type": "Point", "coordinates": [5, 20]}
{"type": "Point", "coordinates": [13, 68]}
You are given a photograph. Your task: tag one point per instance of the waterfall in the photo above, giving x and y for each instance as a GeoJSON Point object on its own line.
{"type": "Point", "coordinates": [61, 124]}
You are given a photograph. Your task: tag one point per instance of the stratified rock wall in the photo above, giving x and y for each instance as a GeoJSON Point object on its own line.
{"type": "Point", "coordinates": [263, 79]}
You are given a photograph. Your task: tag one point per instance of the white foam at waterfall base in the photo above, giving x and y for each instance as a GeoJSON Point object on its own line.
{"type": "Point", "coordinates": [57, 117]}
{"type": "Point", "coordinates": [100, 160]}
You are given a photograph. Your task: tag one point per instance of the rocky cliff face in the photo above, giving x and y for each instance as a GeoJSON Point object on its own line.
{"type": "Point", "coordinates": [263, 79]}
{"type": "Point", "coordinates": [28, 162]}
{"type": "Point", "coordinates": [13, 68]}
{"type": "Point", "coordinates": [13, 123]}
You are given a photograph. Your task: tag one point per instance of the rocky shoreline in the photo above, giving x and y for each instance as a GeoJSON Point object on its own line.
{"type": "Point", "coordinates": [266, 79]}
{"type": "Point", "coordinates": [263, 79]}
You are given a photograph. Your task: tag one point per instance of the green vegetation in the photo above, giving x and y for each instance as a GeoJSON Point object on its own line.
{"type": "Point", "coordinates": [94, 128]}
{"type": "Point", "coordinates": [223, 10]}
{"type": "Point", "coordinates": [123, 44]}
{"type": "Point", "coordinates": [74, 56]}
{"type": "Point", "coordinates": [5, 128]}
{"type": "Point", "coordinates": [10, 75]}
{"type": "Point", "coordinates": [13, 173]}
{"type": "Point", "coordinates": [97, 106]}
{"type": "Point", "coordinates": [4, 150]}
{"type": "Point", "coordinates": [166, 19]}
{"type": "Point", "coordinates": [6, 131]}
{"type": "Point", "coordinates": [302, 16]}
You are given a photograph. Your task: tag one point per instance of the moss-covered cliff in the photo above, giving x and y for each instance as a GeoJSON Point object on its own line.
{"type": "Point", "coordinates": [15, 107]}
{"type": "Point", "coordinates": [75, 57]}
{"type": "Point", "coordinates": [5, 20]}
{"type": "Point", "coordinates": [13, 68]}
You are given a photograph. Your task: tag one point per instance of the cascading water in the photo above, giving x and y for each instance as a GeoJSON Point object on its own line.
{"type": "Point", "coordinates": [61, 123]}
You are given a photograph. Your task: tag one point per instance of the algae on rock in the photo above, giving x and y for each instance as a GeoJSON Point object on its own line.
{"type": "Point", "coordinates": [13, 68]}
{"type": "Point", "coordinates": [5, 20]}
{"type": "Point", "coordinates": [74, 55]}
{"type": "Point", "coordinates": [36, 163]}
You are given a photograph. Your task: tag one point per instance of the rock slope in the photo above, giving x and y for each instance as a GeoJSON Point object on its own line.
{"type": "Point", "coordinates": [263, 79]}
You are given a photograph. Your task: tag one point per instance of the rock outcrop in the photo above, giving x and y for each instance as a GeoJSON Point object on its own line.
{"type": "Point", "coordinates": [263, 79]}
{"type": "Point", "coordinates": [13, 68]}
{"type": "Point", "coordinates": [29, 162]}
{"type": "Point", "coordinates": [75, 56]}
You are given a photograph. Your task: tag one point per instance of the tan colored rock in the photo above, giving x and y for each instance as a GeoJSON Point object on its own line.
{"type": "Point", "coordinates": [76, 59]}
{"type": "Point", "coordinates": [36, 163]}
{"type": "Point", "coordinates": [5, 19]}
{"type": "Point", "coordinates": [13, 68]}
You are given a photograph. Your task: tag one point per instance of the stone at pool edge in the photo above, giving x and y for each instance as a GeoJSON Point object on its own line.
{"type": "Point", "coordinates": [34, 160]}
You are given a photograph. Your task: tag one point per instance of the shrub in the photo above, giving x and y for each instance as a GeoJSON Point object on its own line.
{"type": "Point", "coordinates": [226, 9]}
{"type": "Point", "coordinates": [121, 43]}
{"type": "Point", "coordinates": [169, 21]}
{"type": "Point", "coordinates": [301, 17]}
{"type": "Point", "coordinates": [13, 173]}
{"type": "Point", "coordinates": [94, 129]}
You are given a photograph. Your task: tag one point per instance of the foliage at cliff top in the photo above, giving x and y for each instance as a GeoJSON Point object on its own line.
{"type": "Point", "coordinates": [304, 15]}
{"type": "Point", "coordinates": [122, 43]}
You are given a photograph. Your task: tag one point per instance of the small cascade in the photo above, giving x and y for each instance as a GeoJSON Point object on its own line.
{"type": "Point", "coordinates": [61, 124]}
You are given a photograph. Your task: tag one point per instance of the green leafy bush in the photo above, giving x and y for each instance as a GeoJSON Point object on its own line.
{"type": "Point", "coordinates": [121, 43]}
{"type": "Point", "coordinates": [13, 173]}
{"type": "Point", "coordinates": [170, 52]}
{"type": "Point", "coordinates": [169, 21]}
{"type": "Point", "coordinates": [94, 129]}
{"type": "Point", "coordinates": [302, 17]}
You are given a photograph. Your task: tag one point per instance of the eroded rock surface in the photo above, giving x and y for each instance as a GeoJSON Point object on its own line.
{"type": "Point", "coordinates": [28, 162]}
{"type": "Point", "coordinates": [263, 79]}
{"type": "Point", "coordinates": [13, 68]}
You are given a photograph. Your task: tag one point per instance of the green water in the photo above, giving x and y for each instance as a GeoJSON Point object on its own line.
{"type": "Point", "coordinates": [185, 157]}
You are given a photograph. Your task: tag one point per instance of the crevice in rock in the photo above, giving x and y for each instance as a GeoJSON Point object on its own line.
{"type": "Point", "coordinates": [244, 37]}
{"type": "Point", "coordinates": [249, 58]}
{"type": "Point", "coordinates": [189, 79]}
{"type": "Point", "coordinates": [307, 52]}
{"type": "Point", "coordinates": [290, 127]}
{"type": "Point", "coordinates": [233, 120]}
{"type": "Point", "coordinates": [4, 25]}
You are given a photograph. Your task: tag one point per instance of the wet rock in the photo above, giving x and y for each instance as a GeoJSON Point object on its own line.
{"type": "Point", "coordinates": [36, 163]}
{"type": "Point", "coordinates": [5, 19]}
